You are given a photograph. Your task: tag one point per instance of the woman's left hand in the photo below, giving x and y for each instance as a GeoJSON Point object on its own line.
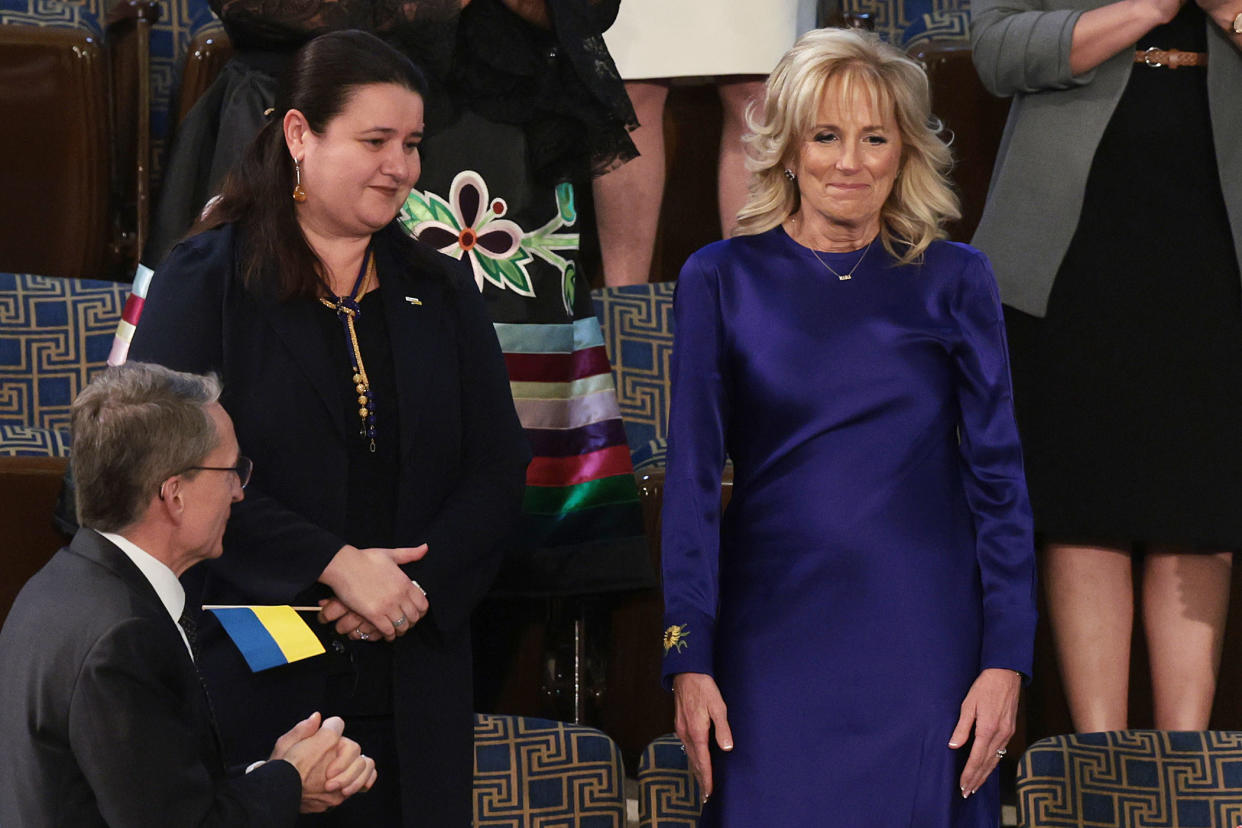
{"type": "Point", "coordinates": [349, 623]}
{"type": "Point", "coordinates": [991, 709]}
{"type": "Point", "coordinates": [1223, 12]}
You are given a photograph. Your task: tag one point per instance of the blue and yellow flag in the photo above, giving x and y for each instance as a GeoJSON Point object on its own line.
{"type": "Point", "coordinates": [268, 636]}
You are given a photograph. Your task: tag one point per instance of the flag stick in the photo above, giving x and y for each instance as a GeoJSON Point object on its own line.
{"type": "Point", "coordinates": [247, 606]}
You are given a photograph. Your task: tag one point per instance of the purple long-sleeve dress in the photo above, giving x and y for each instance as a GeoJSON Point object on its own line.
{"type": "Point", "coordinates": [877, 552]}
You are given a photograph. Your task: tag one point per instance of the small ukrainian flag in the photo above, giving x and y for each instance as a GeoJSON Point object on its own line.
{"type": "Point", "coordinates": [268, 636]}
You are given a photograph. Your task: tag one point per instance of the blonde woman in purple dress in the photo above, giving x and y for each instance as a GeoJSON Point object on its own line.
{"type": "Point", "coordinates": [855, 627]}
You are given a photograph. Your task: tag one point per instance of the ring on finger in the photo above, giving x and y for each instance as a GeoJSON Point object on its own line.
{"type": "Point", "coordinates": [363, 636]}
{"type": "Point", "coordinates": [1000, 753]}
{"type": "Point", "coordinates": [400, 622]}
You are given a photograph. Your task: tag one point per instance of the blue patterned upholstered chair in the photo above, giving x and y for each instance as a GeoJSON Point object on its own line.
{"type": "Point", "coordinates": [637, 322]}
{"type": "Point", "coordinates": [668, 793]}
{"type": "Point", "coordinates": [87, 92]}
{"type": "Point", "coordinates": [54, 335]}
{"type": "Point", "coordinates": [208, 49]}
{"type": "Point", "coordinates": [903, 22]}
{"type": "Point", "coordinates": [55, 212]}
{"type": "Point", "coordinates": [530, 773]}
{"type": "Point", "coordinates": [177, 41]}
{"type": "Point", "coordinates": [1131, 778]}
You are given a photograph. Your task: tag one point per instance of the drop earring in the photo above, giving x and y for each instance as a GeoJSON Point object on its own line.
{"type": "Point", "coordinates": [299, 195]}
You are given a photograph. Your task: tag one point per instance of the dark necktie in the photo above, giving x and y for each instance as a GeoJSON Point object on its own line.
{"type": "Point", "coordinates": [191, 633]}
{"type": "Point", "coordinates": [188, 624]}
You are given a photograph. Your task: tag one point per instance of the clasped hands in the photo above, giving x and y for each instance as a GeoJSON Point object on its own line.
{"type": "Point", "coordinates": [990, 710]}
{"type": "Point", "coordinates": [374, 598]}
{"type": "Point", "coordinates": [332, 767]}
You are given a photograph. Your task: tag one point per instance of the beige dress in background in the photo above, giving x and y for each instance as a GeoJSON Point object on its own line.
{"type": "Point", "coordinates": [680, 38]}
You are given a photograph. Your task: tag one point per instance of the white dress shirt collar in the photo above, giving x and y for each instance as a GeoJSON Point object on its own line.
{"type": "Point", "coordinates": [161, 578]}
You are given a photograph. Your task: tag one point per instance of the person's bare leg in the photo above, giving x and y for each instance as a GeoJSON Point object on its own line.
{"type": "Point", "coordinates": [627, 200]}
{"type": "Point", "coordinates": [731, 176]}
{"type": "Point", "coordinates": [1091, 609]}
{"type": "Point", "coordinates": [1185, 602]}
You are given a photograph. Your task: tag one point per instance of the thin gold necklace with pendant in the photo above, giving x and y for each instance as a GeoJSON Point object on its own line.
{"type": "Point", "coordinates": [844, 277]}
{"type": "Point", "coordinates": [841, 277]}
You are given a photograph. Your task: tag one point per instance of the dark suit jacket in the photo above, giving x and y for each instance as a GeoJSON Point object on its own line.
{"type": "Point", "coordinates": [462, 471]}
{"type": "Point", "coordinates": [102, 716]}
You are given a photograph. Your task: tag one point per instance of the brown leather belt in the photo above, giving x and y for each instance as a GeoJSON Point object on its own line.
{"type": "Point", "coordinates": [1171, 59]}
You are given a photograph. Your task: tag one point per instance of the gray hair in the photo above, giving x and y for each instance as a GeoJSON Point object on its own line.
{"type": "Point", "coordinates": [922, 199]}
{"type": "Point", "coordinates": [134, 426]}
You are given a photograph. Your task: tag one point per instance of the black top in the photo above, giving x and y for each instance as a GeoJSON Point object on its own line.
{"type": "Point", "coordinates": [1128, 390]}
{"type": "Point", "coordinates": [1186, 32]}
{"type": "Point", "coordinates": [560, 85]}
{"type": "Point", "coordinates": [362, 678]}
{"type": "Point", "coordinates": [372, 482]}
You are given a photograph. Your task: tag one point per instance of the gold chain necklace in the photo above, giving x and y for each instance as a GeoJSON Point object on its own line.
{"type": "Point", "coordinates": [347, 308]}
{"type": "Point", "coordinates": [840, 277]}
{"type": "Point", "coordinates": [847, 276]}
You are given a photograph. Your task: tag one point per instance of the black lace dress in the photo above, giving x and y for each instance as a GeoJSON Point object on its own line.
{"type": "Point", "coordinates": [558, 86]}
{"type": "Point", "coordinates": [1128, 391]}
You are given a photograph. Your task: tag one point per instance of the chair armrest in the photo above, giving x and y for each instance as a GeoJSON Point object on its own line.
{"type": "Point", "coordinates": [29, 487]}
{"type": "Point", "coordinates": [128, 35]}
{"type": "Point", "coordinates": [209, 50]}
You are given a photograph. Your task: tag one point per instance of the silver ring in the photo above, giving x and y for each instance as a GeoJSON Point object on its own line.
{"type": "Point", "coordinates": [363, 636]}
{"type": "Point", "coordinates": [1000, 753]}
{"type": "Point", "coordinates": [399, 622]}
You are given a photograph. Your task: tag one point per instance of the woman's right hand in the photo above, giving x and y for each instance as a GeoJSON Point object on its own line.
{"type": "Point", "coordinates": [699, 708]}
{"type": "Point", "coordinates": [370, 582]}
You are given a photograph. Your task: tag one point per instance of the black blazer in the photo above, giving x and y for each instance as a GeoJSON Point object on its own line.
{"type": "Point", "coordinates": [460, 483]}
{"type": "Point", "coordinates": [102, 716]}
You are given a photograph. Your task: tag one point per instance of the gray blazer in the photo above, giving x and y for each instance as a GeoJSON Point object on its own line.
{"type": "Point", "coordinates": [1022, 48]}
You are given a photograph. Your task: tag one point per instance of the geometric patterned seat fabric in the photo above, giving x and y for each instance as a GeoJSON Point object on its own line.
{"type": "Point", "coordinates": [54, 335]}
{"type": "Point", "coordinates": [946, 25]}
{"type": "Point", "coordinates": [537, 773]}
{"type": "Point", "coordinates": [637, 323]}
{"type": "Point", "coordinates": [180, 22]}
{"type": "Point", "coordinates": [668, 793]}
{"type": "Point", "coordinates": [1131, 778]}
{"type": "Point", "coordinates": [85, 16]}
{"type": "Point", "coordinates": [898, 21]}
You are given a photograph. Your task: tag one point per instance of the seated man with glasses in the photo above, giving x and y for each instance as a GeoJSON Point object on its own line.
{"type": "Point", "coordinates": [102, 713]}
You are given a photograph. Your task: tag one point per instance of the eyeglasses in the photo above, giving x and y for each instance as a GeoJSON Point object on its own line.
{"type": "Point", "coordinates": [243, 469]}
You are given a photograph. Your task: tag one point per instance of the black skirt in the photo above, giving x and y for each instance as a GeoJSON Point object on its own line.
{"type": "Point", "coordinates": [1129, 391]}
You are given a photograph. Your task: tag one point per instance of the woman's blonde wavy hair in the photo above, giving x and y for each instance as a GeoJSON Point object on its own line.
{"type": "Point", "coordinates": [922, 199]}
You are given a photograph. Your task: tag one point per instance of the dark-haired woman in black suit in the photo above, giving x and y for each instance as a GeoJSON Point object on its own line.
{"type": "Point", "coordinates": [366, 382]}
